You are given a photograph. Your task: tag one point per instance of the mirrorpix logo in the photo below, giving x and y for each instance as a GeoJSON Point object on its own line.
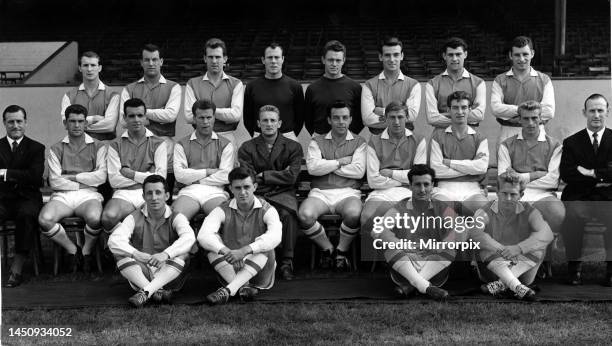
{"type": "Point", "coordinates": [458, 224]}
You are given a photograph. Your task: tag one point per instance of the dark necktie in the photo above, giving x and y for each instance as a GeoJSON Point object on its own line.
{"type": "Point", "coordinates": [14, 146]}
{"type": "Point", "coordinates": [595, 143]}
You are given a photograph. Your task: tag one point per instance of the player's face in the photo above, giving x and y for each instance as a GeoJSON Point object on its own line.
{"type": "Point", "coordinates": [454, 58]}
{"type": "Point", "coordinates": [596, 112]}
{"type": "Point", "coordinates": [273, 61]}
{"type": "Point", "coordinates": [75, 124]}
{"type": "Point", "coordinates": [421, 187]}
{"type": "Point", "coordinates": [269, 123]}
{"type": "Point", "coordinates": [530, 122]}
{"type": "Point", "coordinates": [90, 68]}
{"type": "Point", "coordinates": [243, 190]}
{"type": "Point", "coordinates": [155, 196]}
{"type": "Point", "coordinates": [135, 118]}
{"type": "Point", "coordinates": [459, 111]}
{"type": "Point", "coordinates": [396, 122]}
{"type": "Point", "coordinates": [204, 120]}
{"type": "Point", "coordinates": [340, 120]}
{"type": "Point", "coordinates": [521, 58]}
{"type": "Point", "coordinates": [333, 62]}
{"type": "Point", "coordinates": [15, 125]}
{"type": "Point", "coordinates": [215, 60]}
{"type": "Point", "coordinates": [508, 196]}
{"type": "Point", "coordinates": [391, 58]}
{"type": "Point", "coordinates": [151, 63]}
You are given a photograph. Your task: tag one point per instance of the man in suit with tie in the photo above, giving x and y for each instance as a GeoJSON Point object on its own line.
{"type": "Point", "coordinates": [586, 167]}
{"type": "Point", "coordinates": [21, 170]}
{"type": "Point", "coordinates": [276, 161]}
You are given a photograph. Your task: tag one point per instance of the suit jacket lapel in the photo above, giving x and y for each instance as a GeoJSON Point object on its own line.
{"type": "Point", "coordinates": [262, 150]}
{"type": "Point", "coordinates": [278, 148]}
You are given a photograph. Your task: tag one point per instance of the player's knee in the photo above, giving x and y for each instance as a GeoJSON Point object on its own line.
{"type": "Point", "coordinates": [307, 216]}
{"type": "Point", "coordinates": [47, 220]}
{"type": "Point", "coordinates": [92, 218]}
{"type": "Point", "coordinates": [110, 218]}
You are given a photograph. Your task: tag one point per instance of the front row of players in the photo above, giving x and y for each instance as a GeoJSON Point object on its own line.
{"type": "Point", "coordinates": [337, 161]}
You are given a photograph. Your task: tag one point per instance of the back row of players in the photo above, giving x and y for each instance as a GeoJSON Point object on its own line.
{"type": "Point", "coordinates": [337, 159]}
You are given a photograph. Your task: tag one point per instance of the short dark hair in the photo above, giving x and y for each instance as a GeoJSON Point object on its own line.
{"type": "Point", "coordinates": [215, 43]}
{"type": "Point", "coordinates": [133, 103]}
{"type": "Point", "coordinates": [150, 47]}
{"type": "Point", "coordinates": [203, 105]}
{"type": "Point", "coordinates": [90, 54]}
{"type": "Point", "coordinates": [529, 106]}
{"type": "Point", "coordinates": [391, 41]}
{"type": "Point", "coordinates": [520, 42]}
{"type": "Point", "coordinates": [420, 169]}
{"type": "Point", "coordinates": [337, 104]}
{"type": "Point", "coordinates": [14, 109]}
{"type": "Point", "coordinates": [269, 108]}
{"type": "Point", "coordinates": [274, 45]}
{"type": "Point", "coordinates": [458, 96]}
{"type": "Point", "coordinates": [75, 109]}
{"type": "Point", "coordinates": [155, 178]}
{"type": "Point", "coordinates": [395, 106]}
{"type": "Point", "coordinates": [240, 173]}
{"type": "Point", "coordinates": [595, 96]}
{"type": "Point", "coordinates": [334, 46]}
{"type": "Point", "coordinates": [454, 43]}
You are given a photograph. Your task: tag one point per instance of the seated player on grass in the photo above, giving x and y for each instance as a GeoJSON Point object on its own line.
{"type": "Point", "coordinates": [421, 268]}
{"type": "Point", "coordinates": [517, 243]}
{"type": "Point", "coordinates": [152, 245]}
{"type": "Point", "coordinates": [241, 235]}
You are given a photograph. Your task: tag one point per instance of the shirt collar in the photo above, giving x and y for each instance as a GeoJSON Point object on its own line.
{"type": "Point", "coordinates": [465, 73]}
{"type": "Point", "coordinates": [599, 134]}
{"type": "Point", "coordinates": [541, 136]}
{"type": "Point", "coordinates": [495, 207]}
{"type": "Point", "coordinates": [167, 213]}
{"type": "Point", "coordinates": [148, 133]}
{"type": "Point", "coordinates": [88, 139]}
{"type": "Point", "coordinates": [194, 137]}
{"type": "Point", "coordinates": [385, 134]}
{"type": "Point", "coordinates": [234, 205]}
{"type": "Point", "coordinates": [349, 136]}
{"type": "Point", "coordinates": [101, 86]}
{"type": "Point", "coordinates": [449, 129]}
{"type": "Point", "coordinates": [162, 80]}
{"type": "Point", "coordinates": [532, 72]}
{"type": "Point", "coordinates": [410, 206]}
{"type": "Point", "coordinates": [399, 77]}
{"type": "Point", "coordinates": [223, 76]}
{"type": "Point", "coordinates": [10, 140]}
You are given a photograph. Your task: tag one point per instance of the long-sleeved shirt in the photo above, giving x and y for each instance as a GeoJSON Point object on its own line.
{"type": "Point", "coordinates": [398, 155]}
{"type": "Point", "coordinates": [441, 86]}
{"type": "Point", "coordinates": [138, 232]}
{"type": "Point", "coordinates": [87, 162]}
{"type": "Point", "coordinates": [228, 97]}
{"type": "Point", "coordinates": [285, 93]}
{"type": "Point", "coordinates": [322, 93]}
{"type": "Point", "coordinates": [192, 158]}
{"type": "Point", "coordinates": [525, 228]}
{"type": "Point", "coordinates": [163, 101]}
{"type": "Point", "coordinates": [146, 157]}
{"type": "Point", "coordinates": [322, 161]}
{"type": "Point", "coordinates": [462, 153]}
{"type": "Point", "coordinates": [103, 103]}
{"type": "Point", "coordinates": [525, 159]}
{"type": "Point", "coordinates": [507, 92]}
{"type": "Point", "coordinates": [377, 92]}
{"type": "Point", "coordinates": [225, 226]}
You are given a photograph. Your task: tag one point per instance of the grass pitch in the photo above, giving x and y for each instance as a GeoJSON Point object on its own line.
{"type": "Point", "coordinates": [324, 323]}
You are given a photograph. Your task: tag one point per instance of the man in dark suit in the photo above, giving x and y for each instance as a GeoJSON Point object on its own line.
{"type": "Point", "coordinates": [276, 162]}
{"type": "Point", "coordinates": [21, 170]}
{"type": "Point", "coordinates": [586, 167]}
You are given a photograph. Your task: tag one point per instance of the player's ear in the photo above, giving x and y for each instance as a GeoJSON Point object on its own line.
{"type": "Point", "coordinates": [254, 186]}
{"type": "Point", "coordinates": [280, 123]}
{"type": "Point", "coordinates": [167, 196]}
